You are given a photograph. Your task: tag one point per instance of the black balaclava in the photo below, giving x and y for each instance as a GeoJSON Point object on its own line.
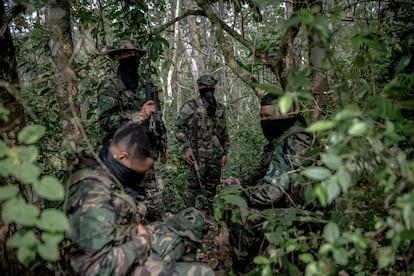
{"type": "Point", "coordinates": [128, 177]}
{"type": "Point", "coordinates": [207, 94]}
{"type": "Point", "coordinates": [128, 71]}
{"type": "Point", "coordinates": [272, 129]}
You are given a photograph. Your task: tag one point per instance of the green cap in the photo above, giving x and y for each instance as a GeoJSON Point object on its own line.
{"type": "Point", "coordinates": [207, 80]}
{"type": "Point", "coordinates": [124, 45]}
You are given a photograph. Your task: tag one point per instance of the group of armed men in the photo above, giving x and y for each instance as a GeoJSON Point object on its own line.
{"type": "Point", "coordinates": [115, 202]}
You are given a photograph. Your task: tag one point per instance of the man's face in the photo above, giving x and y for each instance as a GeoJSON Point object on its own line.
{"type": "Point", "coordinates": [140, 165]}
{"type": "Point", "coordinates": [125, 54]}
{"type": "Point", "coordinates": [268, 112]}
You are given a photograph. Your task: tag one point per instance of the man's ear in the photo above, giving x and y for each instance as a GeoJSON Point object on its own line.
{"type": "Point", "coordinates": [122, 156]}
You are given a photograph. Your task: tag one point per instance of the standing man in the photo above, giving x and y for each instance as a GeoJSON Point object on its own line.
{"type": "Point", "coordinates": [122, 99]}
{"type": "Point", "coordinates": [202, 132]}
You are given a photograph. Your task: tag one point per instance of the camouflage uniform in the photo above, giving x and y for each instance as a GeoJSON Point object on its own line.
{"type": "Point", "coordinates": [103, 222]}
{"type": "Point", "coordinates": [207, 137]}
{"type": "Point", "coordinates": [117, 106]}
{"type": "Point", "coordinates": [266, 186]}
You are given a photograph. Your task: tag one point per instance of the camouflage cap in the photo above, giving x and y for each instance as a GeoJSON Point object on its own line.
{"type": "Point", "coordinates": [124, 45]}
{"type": "Point", "coordinates": [189, 223]}
{"type": "Point", "coordinates": [206, 80]}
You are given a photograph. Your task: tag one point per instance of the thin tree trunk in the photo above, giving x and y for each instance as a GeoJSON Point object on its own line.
{"type": "Point", "coordinates": [317, 54]}
{"type": "Point", "coordinates": [10, 98]}
{"type": "Point", "coordinates": [58, 18]}
{"type": "Point", "coordinates": [175, 55]}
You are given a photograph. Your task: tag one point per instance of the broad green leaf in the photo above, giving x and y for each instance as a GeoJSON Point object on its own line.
{"type": "Point", "coordinates": [331, 160]}
{"type": "Point", "coordinates": [386, 257]}
{"type": "Point", "coordinates": [358, 129]}
{"type": "Point", "coordinates": [320, 194]}
{"type": "Point", "coordinates": [275, 238]}
{"type": "Point", "coordinates": [28, 154]}
{"type": "Point", "coordinates": [29, 239]}
{"type": "Point", "coordinates": [320, 126]}
{"type": "Point", "coordinates": [332, 190]}
{"type": "Point", "coordinates": [261, 260]}
{"type": "Point", "coordinates": [50, 237]}
{"type": "Point", "coordinates": [15, 241]}
{"type": "Point", "coordinates": [48, 251]}
{"type": "Point", "coordinates": [317, 173]}
{"type": "Point", "coordinates": [53, 220]}
{"type": "Point", "coordinates": [8, 191]}
{"type": "Point", "coordinates": [5, 167]}
{"type": "Point", "coordinates": [271, 88]}
{"type": "Point", "coordinates": [285, 103]}
{"type": "Point", "coordinates": [49, 188]}
{"type": "Point", "coordinates": [347, 114]}
{"type": "Point", "coordinates": [26, 173]}
{"type": "Point", "coordinates": [26, 255]}
{"type": "Point", "coordinates": [331, 232]}
{"type": "Point", "coordinates": [306, 258]}
{"type": "Point", "coordinates": [3, 148]}
{"type": "Point", "coordinates": [17, 210]}
{"type": "Point", "coordinates": [344, 179]}
{"type": "Point", "coordinates": [31, 134]}
{"type": "Point", "coordinates": [218, 214]}
{"type": "Point", "coordinates": [267, 270]}
{"type": "Point", "coordinates": [341, 256]}
{"type": "Point", "coordinates": [236, 200]}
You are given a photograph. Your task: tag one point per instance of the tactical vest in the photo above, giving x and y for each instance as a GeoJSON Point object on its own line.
{"type": "Point", "coordinates": [204, 131]}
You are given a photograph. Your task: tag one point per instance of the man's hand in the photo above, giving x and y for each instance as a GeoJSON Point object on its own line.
{"type": "Point", "coordinates": [224, 161]}
{"type": "Point", "coordinates": [146, 111]}
{"type": "Point", "coordinates": [189, 156]}
{"type": "Point", "coordinates": [142, 231]}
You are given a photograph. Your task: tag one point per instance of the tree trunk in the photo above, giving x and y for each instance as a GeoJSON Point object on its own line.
{"type": "Point", "coordinates": [317, 54]}
{"type": "Point", "coordinates": [58, 19]}
{"type": "Point", "coordinates": [9, 82]}
{"type": "Point", "coordinates": [175, 55]}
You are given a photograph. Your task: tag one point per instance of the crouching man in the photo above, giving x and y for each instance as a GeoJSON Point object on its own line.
{"type": "Point", "coordinates": [107, 235]}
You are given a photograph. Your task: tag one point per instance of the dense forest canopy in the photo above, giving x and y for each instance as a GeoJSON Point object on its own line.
{"type": "Point", "coordinates": [347, 67]}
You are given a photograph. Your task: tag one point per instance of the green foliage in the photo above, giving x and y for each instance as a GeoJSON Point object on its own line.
{"type": "Point", "coordinates": [19, 166]}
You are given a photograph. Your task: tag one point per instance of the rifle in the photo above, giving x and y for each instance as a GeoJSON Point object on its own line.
{"type": "Point", "coordinates": [156, 124]}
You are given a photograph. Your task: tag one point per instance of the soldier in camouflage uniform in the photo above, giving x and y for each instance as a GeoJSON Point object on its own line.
{"type": "Point", "coordinates": [201, 130]}
{"type": "Point", "coordinates": [266, 187]}
{"type": "Point", "coordinates": [122, 99]}
{"type": "Point", "coordinates": [107, 235]}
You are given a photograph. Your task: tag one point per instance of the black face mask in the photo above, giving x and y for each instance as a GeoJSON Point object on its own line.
{"type": "Point", "coordinates": [128, 177]}
{"type": "Point", "coordinates": [272, 129]}
{"type": "Point", "coordinates": [207, 94]}
{"type": "Point", "coordinates": [128, 71]}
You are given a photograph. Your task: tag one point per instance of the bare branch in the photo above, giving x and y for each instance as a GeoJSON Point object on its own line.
{"type": "Point", "coordinates": [19, 8]}
{"type": "Point", "coordinates": [181, 17]}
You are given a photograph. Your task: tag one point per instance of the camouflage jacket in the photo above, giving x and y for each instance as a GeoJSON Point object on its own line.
{"type": "Point", "coordinates": [118, 105]}
{"type": "Point", "coordinates": [194, 128]}
{"type": "Point", "coordinates": [103, 222]}
{"type": "Point", "coordinates": [279, 158]}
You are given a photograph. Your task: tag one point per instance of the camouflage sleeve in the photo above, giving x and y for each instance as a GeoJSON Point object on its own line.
{"type": "Point", "coordinates": [102, 247]}
{"type": "Point", "coordinates": [253, 177]}
{"type": "Point", "coordinates": [109, 113]}
{"type": "Point", "coordinates": [223, 133]}
{"type": "Point", "coordinates": [182, 125]}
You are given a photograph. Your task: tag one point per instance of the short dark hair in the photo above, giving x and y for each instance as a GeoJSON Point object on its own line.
{"type": "Point", "coordinates": [137, 140]}
{"type": "Point", "coordinates": [268, 99]}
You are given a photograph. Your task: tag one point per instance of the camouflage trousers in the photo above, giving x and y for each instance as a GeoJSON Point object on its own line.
{"type": "Point", "coordinates": [201, 196]}
{"type": "Point", "coordinates": [161, 268]}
